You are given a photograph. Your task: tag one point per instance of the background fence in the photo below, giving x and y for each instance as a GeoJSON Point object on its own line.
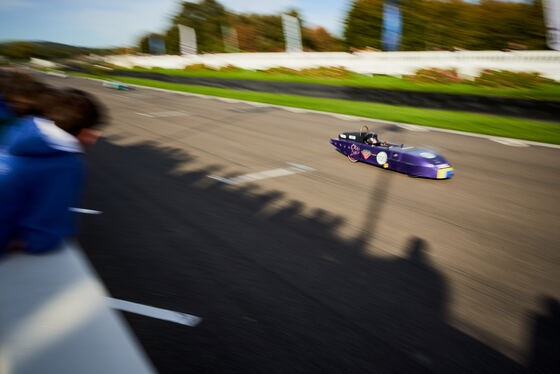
{"type": "Point", "coordinates": [467, 63]}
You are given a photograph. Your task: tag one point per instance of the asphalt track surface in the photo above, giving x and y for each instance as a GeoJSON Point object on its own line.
{"type": "Point", "coordinates": [346, 268]}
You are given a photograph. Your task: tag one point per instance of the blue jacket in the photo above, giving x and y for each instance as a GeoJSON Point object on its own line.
{"type": "Point", "coordinates": [42, 170]}
{"type": "Point", "coordinates": [6, 116]}
{"type": "Point", "coordinates": [5, 111]}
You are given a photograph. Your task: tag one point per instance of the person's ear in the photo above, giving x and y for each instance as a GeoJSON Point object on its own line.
{"type": "Point", "coordinates": [88, 136]}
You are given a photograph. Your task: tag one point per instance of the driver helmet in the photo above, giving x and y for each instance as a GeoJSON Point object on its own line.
{"type": "Point", "coordinates": [370, 136]}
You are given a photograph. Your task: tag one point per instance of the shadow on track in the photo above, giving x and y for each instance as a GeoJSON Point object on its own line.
{"type": "Point", "coordinates": [545, 352]}
{"type": "Point", "coordinates": [279, 290]}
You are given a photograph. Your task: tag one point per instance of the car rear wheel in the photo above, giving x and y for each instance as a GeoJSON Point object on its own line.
{"type": "Point", "coordinates": [352, 159]}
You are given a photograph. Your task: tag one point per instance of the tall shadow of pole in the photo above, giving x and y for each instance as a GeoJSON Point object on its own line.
{"type": "Point", "coordinates": [374, 210]}
{"type": "Point", "coordinates": [544, 356]}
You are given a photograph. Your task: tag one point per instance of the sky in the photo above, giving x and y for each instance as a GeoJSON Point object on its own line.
{"type": "Point", "coordinates": [110, 23]}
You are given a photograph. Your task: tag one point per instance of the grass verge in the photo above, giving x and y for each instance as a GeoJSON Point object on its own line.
{"type": "Point", "coordinates": [478, 123]}
{"type": "Point", "coordinates": [544, 92]}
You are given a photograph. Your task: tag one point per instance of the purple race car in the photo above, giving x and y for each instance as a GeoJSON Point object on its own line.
{"type": "Point", "coordinates": [364, 146]}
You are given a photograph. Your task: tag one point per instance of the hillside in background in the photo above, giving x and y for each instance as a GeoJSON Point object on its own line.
{"type": "Point", "coordinates": [23, 50]}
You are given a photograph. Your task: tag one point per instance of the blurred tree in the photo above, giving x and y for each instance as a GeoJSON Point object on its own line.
{"type": "Point", "coordinates": [363, 24]}
{"type": "Point", "coordinates": [124, 50]}
{"type": "Point", "coordinates": [535, 27]}
{"type": "Point", "coordinates": [497, 24]}
{"type": "Point", "coordinates": [265, 33]}
{"type": "Point", "coordinates": [447, 24]}
{"type": "Point", "coordinates": [172, 41]}
{"type": "Point", "coordinates": [426, 25]}
{"type": "Point", "coordinates": [144, 46]}
{"type": "Point", "coordinates": [500, 24]}
{"type": "Point", "coordinates": [450, 24]}
{"type": "Point", "coordinates": [414, 23]}
{"type": "Point", "coordinates": [259, 32]}
{"type": "Point", "coordinates": [246, 36]}
{"type": "Point", "coordinates": [319, 39]}
{"type": "Point", "coordinates": [206, 18]}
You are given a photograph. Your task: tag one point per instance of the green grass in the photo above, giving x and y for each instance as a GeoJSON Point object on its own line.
{"type": "Point", "coordinates": [461, 121]}
{"type": "Point", "coordinates": [544, 92]}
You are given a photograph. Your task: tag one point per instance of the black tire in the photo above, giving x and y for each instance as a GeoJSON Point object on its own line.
{"type": "Point", "coordinates": [352, 159]}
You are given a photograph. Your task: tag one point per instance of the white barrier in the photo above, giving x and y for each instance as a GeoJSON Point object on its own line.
{"type": "Point", "coordinates": [467, 63]}
{"type": "Point", "coordinates": [54, 318]}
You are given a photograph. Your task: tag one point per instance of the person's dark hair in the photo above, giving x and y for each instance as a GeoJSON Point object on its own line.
{"type": "Point", "coordinates": [72, 110]}
{"type": "Point", "coordinates": [21, 91]}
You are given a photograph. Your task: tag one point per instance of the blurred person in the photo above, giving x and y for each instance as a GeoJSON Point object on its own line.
{"type": "Point", "coordinates": [5, 112]}
{"type": "Point", "coordinates": [19, 94]}
{"type": "Point", "coordinates": [371, 138]}
{"type": "Point", "coordinates": [42, 169]}
{"type": "Point", "coordinates": [20, 91]}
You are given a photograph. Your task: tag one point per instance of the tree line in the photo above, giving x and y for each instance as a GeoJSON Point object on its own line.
{"type": "Point", "coordinates": [255, 32]}
{"type": "Point", "coordinates": [451, 24]}
{"type": "Point", "coordinates": [426, 25]}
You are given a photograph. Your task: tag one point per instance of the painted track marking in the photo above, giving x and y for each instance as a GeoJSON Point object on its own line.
{"type": "Point", "coordinates": [510, 142]}
{"type": "Point", "coordinates": [274, 173]}
{"type": "Point", "coordinates": [345, 117]}
{"type": "Point", "coordinates": [171, 113]}
{"type": "Point", "coordinates": [294, 110]}
{"type": "Point", "coordinates": [413, 127]}
{"type": "Point", "coordinates": [150, 311]}
{"type": "Point", "coordinates": [84, 211]}
{"type": "Point", "coordinates": [227, 100]}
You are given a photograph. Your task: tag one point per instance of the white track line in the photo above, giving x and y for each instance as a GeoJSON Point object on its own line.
{"type": "Point", "coordinates": [84, 211]}
{"type": "Point", "coordinates": [413, 127]}
{"type": "Point", "coordinates": [171, 113]}
{"type": "Point", "coordinates": [274, 173]}
{"type": "Point", "coordinates": [347, 117]}
{"type": "Point", "coordinates": [510, 142]}
{"type": "Point", "coordinates": [227, 100]}
{"type": "Point", "coordinates": [294, 110]}
{"type": "Point", "coordinates": [300, 166]}
{"type": "Point", "coordinates": [150, 311]}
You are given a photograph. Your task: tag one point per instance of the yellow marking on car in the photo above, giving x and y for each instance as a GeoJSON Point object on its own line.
{"type": "Point", "coordinates": [442, 173]}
